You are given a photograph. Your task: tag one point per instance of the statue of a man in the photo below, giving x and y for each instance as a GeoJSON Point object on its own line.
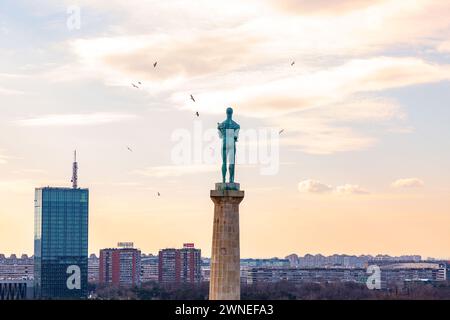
{"type": "Point", "coordinates": [229, 133]}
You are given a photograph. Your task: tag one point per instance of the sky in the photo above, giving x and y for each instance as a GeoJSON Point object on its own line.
{"type": "Point", "coordinates": [343, 107]}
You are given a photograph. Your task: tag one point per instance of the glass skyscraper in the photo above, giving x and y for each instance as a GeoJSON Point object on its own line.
{"type": "Point", "coordinates": [61, 243]}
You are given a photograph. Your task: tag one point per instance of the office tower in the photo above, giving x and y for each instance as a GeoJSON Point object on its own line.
{"type": "Point", "coordinates": [120, 266]}
{"type": "Point", "coordinates": [61, 241]}
{"type": "Point", "coordinates": [169, 266]}
{"type": "Point", "coordinates": [190, 264]}
{"type": "Point", "coordinates": [180, 265]}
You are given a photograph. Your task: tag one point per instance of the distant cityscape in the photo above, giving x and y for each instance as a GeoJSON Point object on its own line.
{"type": "Point", "coordinates": [61, 268]}
{"type": "Point", "coordinates": [126, 266]}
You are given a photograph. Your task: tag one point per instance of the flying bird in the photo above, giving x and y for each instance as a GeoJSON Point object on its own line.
{"type": "Point", "coordinates": [197, 114]}
{"type": "Point", "coordinates": [135, 86]}
{"type": "Point", "coordinates": [159, 194]}
{"type": "Point", "coordinates": [192, 98]}
{"type": "Point", "coordinates": [139, 82]}
{"type": "Point", "coordinates": [281, 131]}
{"type": "Point", "coordinates": [292, 63]}
{"type": "Point", "coordinates": [154, 65]}
{"type": "Point", "coordinates": [129, 149]}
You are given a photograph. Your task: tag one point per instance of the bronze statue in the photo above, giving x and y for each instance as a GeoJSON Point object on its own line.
{"type": "Point", "coordinates": [229, 133]}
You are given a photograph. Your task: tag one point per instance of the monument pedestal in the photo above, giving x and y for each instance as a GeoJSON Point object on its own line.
{"type": "Point", "coordinates": [225, 279]}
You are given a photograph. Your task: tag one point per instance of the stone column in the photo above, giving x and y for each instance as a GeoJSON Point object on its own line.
{"type": "Point", "coordinates": [225, 283]}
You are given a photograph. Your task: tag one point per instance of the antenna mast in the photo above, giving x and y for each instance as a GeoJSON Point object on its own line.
{"type": "Point", "coordinates": [75, 171]}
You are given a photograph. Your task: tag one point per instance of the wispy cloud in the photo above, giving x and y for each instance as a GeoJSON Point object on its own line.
{"type": "Point", "coordinates": [247, 64]}
{"type": "Point", "coordinates": [10, 92]}
{"type": "Point", "coordinates": [126, 184]}
{"type": "Point", "coordinates": [75, 119]}
{"type": "Point", "coordinates": [317, 187]}
{"type": "Point", "coordinates": [351, 189]}
{"type": "Point", "coordinates": [306, 7]}
{"type": "Point", "coordinates": [408, 183]}
{"type": "Point", "coordinates": [313, 186]}
{"type": "Point", "coordinates": [348, 26]}
{"type": "Point", "coordinates": [444, 47]}
{"type": "Point", "coordinates": [29, 171]}
{"type": "Point", "coordinates": [3, 157]}
{"type": "Point", "coordinates": [25, 185]}
{"type": "Point", "coordinates": [326, 139]}
{"type": "Point", "coordinates": [9, 80]}
{"type": "Point", "coordinates": [320, 101]}
{"type": "Point", "coordinates": [179, 57]}
{"type": "Point", "coordinates": [327, 86]}
{"type": "Point", "coordinates": [21, 186]}
{"type": "Point", "coordinates": [328, 129]}
{"type": "Point", "coordinates": [175, 171]}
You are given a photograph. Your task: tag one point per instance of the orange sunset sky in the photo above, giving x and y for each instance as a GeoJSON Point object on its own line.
{"type": "Point", "coordinates": [360, 88]}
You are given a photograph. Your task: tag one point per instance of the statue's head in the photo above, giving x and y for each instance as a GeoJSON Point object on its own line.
{"type": "Point", "coordinates": [229, 112]}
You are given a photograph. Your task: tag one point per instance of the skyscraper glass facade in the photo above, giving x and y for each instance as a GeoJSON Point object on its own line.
{"type": "Point", "coordinates": [61, 243]}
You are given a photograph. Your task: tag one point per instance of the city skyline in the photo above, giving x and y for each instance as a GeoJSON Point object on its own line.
{"type": "Point", "coordinates": [313, 253]}
{"type": "Point", "coordinates": [358, 91]}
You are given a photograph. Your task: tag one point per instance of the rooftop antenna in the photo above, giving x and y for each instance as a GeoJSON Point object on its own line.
{"type": "Point", "coordinates": [75, 171]}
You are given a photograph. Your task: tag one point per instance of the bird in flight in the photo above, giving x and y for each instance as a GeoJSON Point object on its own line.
{"type": "Point", "coordinates": [192, 98]}
{"type": "Point", "coordinates": [281, 131]}
{"type": "Point", "coordinates": [135, 86]}
{"type": "Point", "coordinates": [292, 63]}
{"type": "Point", "coordinates": [139, 82]}
{"type": "Point", "coordinates": [159, 194]}
{"type": "Point", "coordinates": [154, 65]}
{"type": "Point", "coordinates": [129, 149]}
{"type": "Point", "coordinates": [197, 114]}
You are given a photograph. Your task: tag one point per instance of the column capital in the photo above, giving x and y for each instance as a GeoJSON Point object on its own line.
{"type": "Point", "coordinates": [228, 196]}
